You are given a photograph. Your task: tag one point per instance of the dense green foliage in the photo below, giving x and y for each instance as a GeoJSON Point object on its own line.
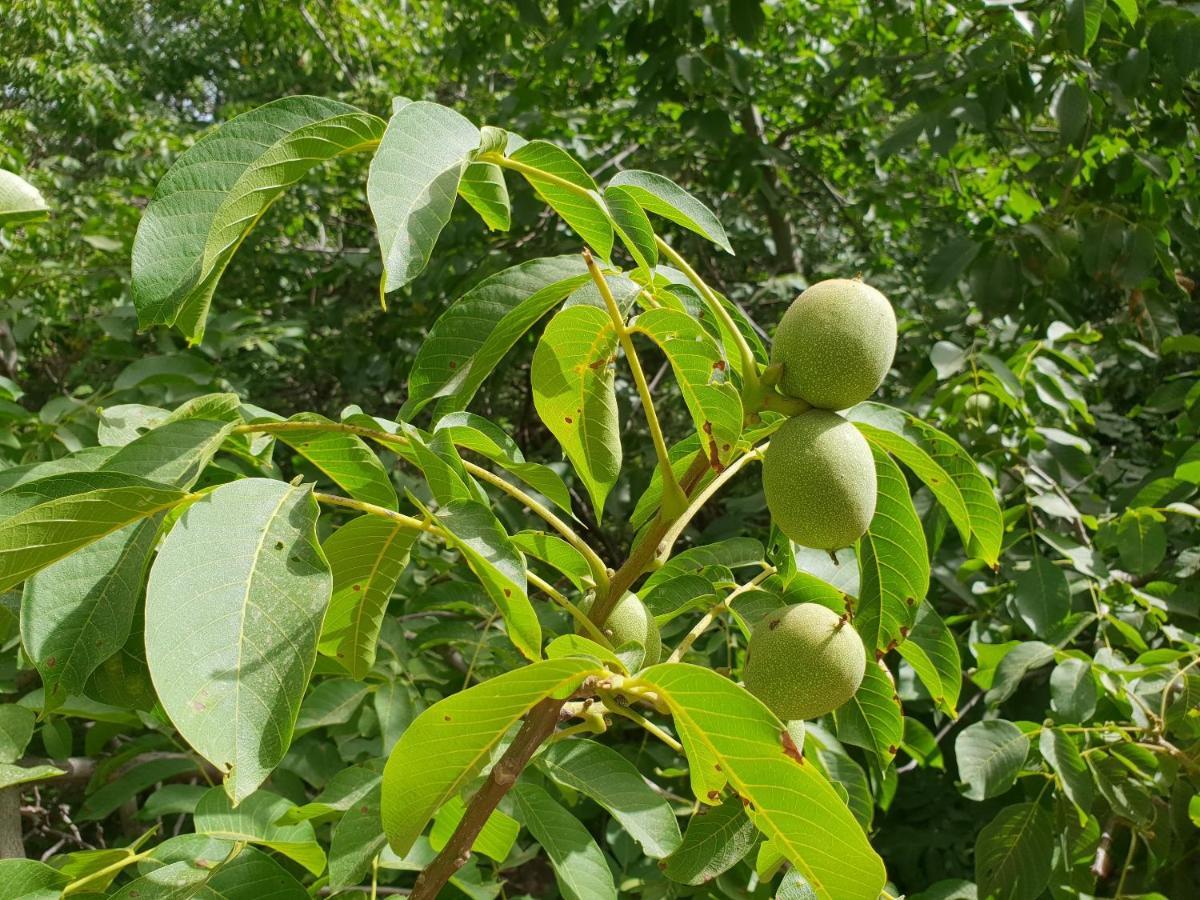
{"type": "Point", "coordinates": [1019, 178]}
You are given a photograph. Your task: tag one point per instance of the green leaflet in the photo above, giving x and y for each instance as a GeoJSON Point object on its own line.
{"type": "Point", "coordinates": [579, 865]}
{"type": "Point", "coordinates": [20, 201]}
{"type": "Point", "coordinates": [633, 227]}
{"type": "Point", "coordinates": [473, 530]}
{"type": "Point", "coordinates": [471, 337]}
{"type": "Point", "coordinates": [483, 187]}
{"type": "Point", "coordinates": [933, 654]}
{"type": "Point", "coordinates": [1013, 853]}
{"type": "Point", "coordinates": [614, 782]}
{"type": "Point", "coordinates": [893, 562]}
{"type": "Point", "coordinates": [42, 521]}
{"type": "Point", "coordinates": [717, 838]}
{"type": "Point", "coordinates": [945, 468]}
{"type": "Point", "coordinates": [78, 612]}
{"type": "Point", "coordinates": [449, 743]}
{"type": "Point", "coordinates": [872, 718]}
{"type": "Point", "coordinates": [495, 840]}
{"type": "Point", "coordinates": [242, 877]}
{"type": "Point", "coordinates": [28, 879]}
{"type": "Point", "coordinates": [586, 214]}
{"type": "Point", "coordinates": [366, 557]}
{"type": "Point", "coordinates": [231, 643]}
{"type": "Point", "coordinates": [573, 391]}
{"type": "Point", "coordinates": [254, 820]}
{"type": "Point", "coordinates": [790, 802]}
{"type": "Point", "coordinates": [412, 184]}
{"type": "Point", "coordinates": [1043, 595]}
{"type": "Point", "coordinates": [345, 458]}
{"type": "Point", "coordinates": [477, 434]}
{"type": "Point", "coordinates": [701, 369]}
{"type": "Point", "coordinates": [665, 198]}
{"type": "Point", "coordinates": [990, 755]}
{"type": "Point", "coordinates": [357, 839]}
{"type": "Point", "coordinates": [215, 192]}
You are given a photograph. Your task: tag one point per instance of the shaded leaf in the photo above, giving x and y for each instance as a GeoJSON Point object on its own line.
{"type": "Point", "coordinates": [717, 838]}
{"type": "Point", "coordinates": [254, 820]}
{"type": "Point", "coordinates": [990, 756]}
{"type": "Point", "coordinates": [231, 644]}
{"type": "Point", "coordinates": [579, 865]}
{"type": "Point", "coordinates": [872, 717]}
{"type": "Point", "coordinates": [1013, 853]}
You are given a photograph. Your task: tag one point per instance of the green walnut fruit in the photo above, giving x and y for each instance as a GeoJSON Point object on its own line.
{"type": "Point", "coordinates": [819, 478]}
{"type": "Point", "coordinates": [835, 343]}
{"type": "Point", "coordinates": [631, 621]}
{"type": "Point", "coordinates": [804, 661]}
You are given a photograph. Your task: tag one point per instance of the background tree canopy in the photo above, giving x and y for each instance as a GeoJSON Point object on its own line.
{"type": "Point", "coordinates": [1021, 179]}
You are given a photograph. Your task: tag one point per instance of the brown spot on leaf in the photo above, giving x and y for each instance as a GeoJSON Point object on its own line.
{"type": "Point", "coordinates": [453, 365]}
{"type": "Point", "coordinates": [569, 420]}
{"type": "Point", "coordinates": [892, 749]}
{"type": "Point", "coordinates": [358, 587]}
{"type": "Point", "coordinates": [719, 365]}
{"type": "Point", "coordinates": [714, 796]}
{"type": "Point", "coordinates": [447, 719]}
{"type": "Point", "coordinates": [789, 747]}
{"type": "Point", "coordinates": [51, 662]}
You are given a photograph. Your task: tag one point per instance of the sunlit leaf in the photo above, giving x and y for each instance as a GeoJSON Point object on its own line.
{"type": "Point", "coordinates": [582, 211]}
{"type": "Point", "coordinates": [20, 201]}
{"type": "Point", "coordinates": [736, 740]}
{"type": "Point", "coordinates": [449, 743]}
{"type": "Point", "coordinates": [254, 820]}
{"type": "Point", "coordinates": [663, 197]}
{"type": "Point", "coordinates": [573, 391]}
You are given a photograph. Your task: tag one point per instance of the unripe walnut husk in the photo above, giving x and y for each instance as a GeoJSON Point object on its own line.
{"type": "Point", "coordinates": [835, 343]}
{"type": "Point", "coordinates": [630, 620]}
{"type": "Point", "coordinates": [804, 661]}
{"type": "Point", "coordinates": [819, 480]}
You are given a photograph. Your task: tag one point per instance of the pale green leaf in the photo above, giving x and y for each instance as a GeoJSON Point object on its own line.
{"type": "Point", "coordinates": [231, 643]}
{"type": "Point", "coordinates": [663, 197]}
{"type": "Point", "coordinates": [584, 212]}
{"type": "Point", "coordinates": [575, 645]}
{"type": "Point", "coordinates": [78, 612]}
{"type": "Point", "coordinates": [717, 838]}
{"type": "Point", "coordinates": [701, 369]}
{"type": "Point", "coordinates": [44, 520]}
{"type": "Point", "coordinates": [475, 433]}
{"type": "Point", "coordinates": [473, 530]}
{"type": "Point", "coordinates": [632, 226]}
{"type": "Point", "coordinates": [345, 458]}
{"type": "Point", "coordinates": [933, 654]}
{"type": "Point", "coordinates": [579, 865]}
{"type": "Point", "coordinates": [215, 192]}
{"type": "Point", "coordinates": [449, 743]}
{"type": "Point", "coordinates": [495, 840]}
{"type": "Point", "coordinates": [872, 718]}
{"type": "Point", "coordinates": [790, 802]}
{"type": "Point", "coordinates": [11, 775]}
{"type": "Point", "coordinates": [574, 394]}
{"type": "Point", "coordinates": [412, 184]}
{"type": "Point", "coordinates": [1129, 9]}
{"type": "Point", "coordinates": [1013, 853]}
{"type": "Point", "coordinates": [990, 756]}
{"type": "Point", "coordinates": [556, 553]}
{"type": "Point", "coordinates": [606, 776]}
{"type": "Point", "coordinates": [254, 820]}
{"type": "Point", "coordinates": [366, 557]}
{"type": "Point", "coordinates": [946, 469]}
{"type": "Point", "coordinates": [28, 879]}
{"type": "Point", "coordinates": [473, 335]}
{"type": "Point", "coordinates": [483, 187]}
{"type": "Point", "coordinates": [893, 561]}
{"type": "Point", "coordinates": [20, 201]}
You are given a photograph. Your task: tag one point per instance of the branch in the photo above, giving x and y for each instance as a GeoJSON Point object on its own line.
{"type": "Point", "coordinates": [539, 725]}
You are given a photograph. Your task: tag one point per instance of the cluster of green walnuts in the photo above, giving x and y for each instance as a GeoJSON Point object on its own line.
{"type": "Point", "coordinates": [833, 347]}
